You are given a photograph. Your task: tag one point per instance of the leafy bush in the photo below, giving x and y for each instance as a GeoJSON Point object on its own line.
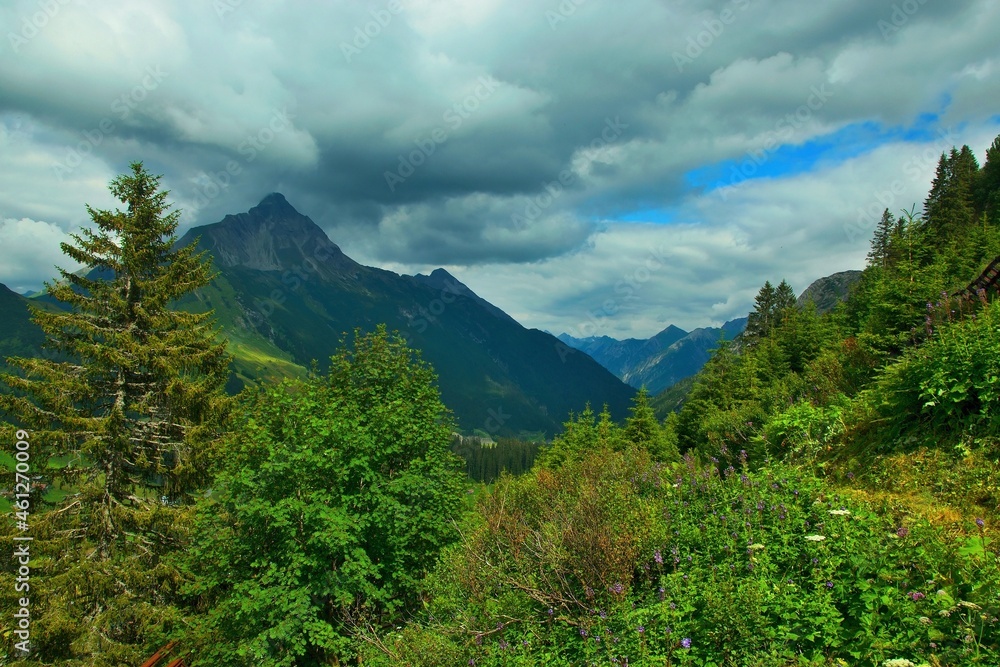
{"type": "Point", "coordinates": [613, 560]}
{"type": "Point", "coordinates": [334, 500]}
{"type": "Point", "coordinates": [949, 387]}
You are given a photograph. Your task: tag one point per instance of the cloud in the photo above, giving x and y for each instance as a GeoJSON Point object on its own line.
{"type": "Point", "coordinates": [423, 132]}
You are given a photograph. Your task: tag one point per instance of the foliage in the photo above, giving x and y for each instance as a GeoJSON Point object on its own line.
{"type": "Point", "coordinates": [613, 559]}
{"type": "Point", "coordinates": [947, 388]}
{"type": "Point", "coordinates": [122, 419]}
{"type": "Point", "coordinates": [334, 497]}
{"type": "Point", "coordinates": [485, 459]}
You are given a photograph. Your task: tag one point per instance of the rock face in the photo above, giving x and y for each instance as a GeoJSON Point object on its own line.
{"type": "Point", "coordinates": [827, 292]}
{"type": "Point", "coordinates": [272, 236]}
{"type": "Point", "coordinates": [286, 289]}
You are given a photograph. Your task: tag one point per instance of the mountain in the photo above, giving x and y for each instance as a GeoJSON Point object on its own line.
{"type": "Point", "coordinates": [285, 295]}
{"type": "Point", "coordinates": [19, 337]}
{"type": "Point", "coordinates": [827, 292]}
{"type": "Point", "coordinates": [658, 362]}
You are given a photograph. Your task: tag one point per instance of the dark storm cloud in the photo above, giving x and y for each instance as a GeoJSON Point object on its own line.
{"type": "Point", "coordinates": [474, 133]}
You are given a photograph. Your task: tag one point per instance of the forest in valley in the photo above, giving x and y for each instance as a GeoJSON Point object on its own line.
{"type": "Point", "coordinates": [824, 492]}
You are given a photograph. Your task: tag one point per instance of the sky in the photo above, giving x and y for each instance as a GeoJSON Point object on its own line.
{"type": "Point", "coordinates": [590, 167]}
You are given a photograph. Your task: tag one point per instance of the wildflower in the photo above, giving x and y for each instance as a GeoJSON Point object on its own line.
{"type": "Point", "coordinates": [617, 589]}
{"type": "Point", "coordinates": [903, 531]}
{"type": "Point", "coordinates": [658, 557]}
{"type": "Point", "coordinates": [829, 584]}
{"type": "Point", "coordinates": [686, 642]}
{"type": "Point", "coordinates": [583, 632]}
{"type": "Point", "coordinates": [917, 595]}
{"type": "Point", "coordinates": [815, 538]}
{"type": "Point", "coordinates": [641, 629]}
{"type": "Point", "coordinates": [755, 547]}
{"type": "Point", "coordinates": [840, 512]}
{"type": "Point", "coordinates": [551, 611]}
{"type": "Point", "coordinates": [980, 522]}
{"type": "Point", "coordinates": [898, 662]}
{"type": "Point", "coordinates": [924, 620]}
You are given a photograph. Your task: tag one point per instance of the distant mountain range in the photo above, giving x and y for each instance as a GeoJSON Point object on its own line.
{"type": "Point", "coordinates": [673, 355]}
{"type": "Point", "coordinates": [658, 362]}
{"type": "Point", "coordinates": [285, 295]}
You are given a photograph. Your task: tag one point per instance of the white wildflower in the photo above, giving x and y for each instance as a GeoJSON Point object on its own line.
{"type": "Point", "coordinates": [815, 538]}
{"type": "Point", "coordinates": [840, 512]}
{"type": "Point", "coordinates": [898, 662]}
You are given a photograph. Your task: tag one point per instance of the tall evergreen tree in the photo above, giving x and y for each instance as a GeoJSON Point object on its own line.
{"type": "Point", "coordinates": [988, 186]}
{"type": "Point", "coordinates": [878, 256]}
{"type": "Point", "coordinates": [126, 423]}
{"type": "Point", "coordinates": [759, 320]}
{"type": "Point", "coordinates": [949, 208]}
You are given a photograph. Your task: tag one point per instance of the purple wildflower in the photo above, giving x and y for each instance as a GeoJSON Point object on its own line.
{"type": "Point", "coordinates": [658, 557]}
{"type": "Point", "coordinates": [980, 522]}
{"type": "Point", "coordinates": [583, 632]}
{"type": "Point", "coordinates": [829, 584]}
{"type": "Point", "coordinates": [641, 629]}
{"type": "Point", "coordinates": [917, 595]}
{"type": "Point", "coordinates": [903, 531]}
{"type": "Point", "coordinates": [686, 642]}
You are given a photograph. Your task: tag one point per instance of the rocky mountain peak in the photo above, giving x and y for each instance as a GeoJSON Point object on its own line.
{"type": "Point", "coordinates": [271, 236]}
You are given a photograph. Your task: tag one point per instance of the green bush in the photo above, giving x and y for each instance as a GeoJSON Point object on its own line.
{"type": "Point", "coordinates": [948, 389]}
{"type": "Point", "coordinates": [334, 500]}
{"type": "Point", "coordinates": [613, 560]}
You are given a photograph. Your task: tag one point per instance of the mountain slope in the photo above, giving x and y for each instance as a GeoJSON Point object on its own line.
{"type": "Point", "coordinates": [660, 361]}
{"type": "Point", "coordinates": [288, 294]}
{"type": "Point", "coordinates": [19, 336]}
{"type": "Point", "coordinates": [830, 290]}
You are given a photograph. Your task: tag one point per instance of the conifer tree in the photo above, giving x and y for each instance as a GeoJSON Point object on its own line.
{"type": "Point", "coordinates": [125, 414]}
{"type": "Point", "coordinates": [878, 256]}
{"type": "Point", "coordinates": [988, 185]}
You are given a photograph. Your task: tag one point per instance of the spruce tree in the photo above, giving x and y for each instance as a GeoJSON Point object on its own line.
{"type": "Point", "coordinates": [125, 414]}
